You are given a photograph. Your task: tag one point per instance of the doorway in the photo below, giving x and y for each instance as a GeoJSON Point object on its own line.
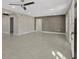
{"type": "Point", "coordinates": [38, 24]}
{"type": "Point", "coordinates": [11, 25]}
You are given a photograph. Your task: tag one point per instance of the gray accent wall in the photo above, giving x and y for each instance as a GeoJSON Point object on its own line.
{"type": "Point", "coordinates": [53, 23]}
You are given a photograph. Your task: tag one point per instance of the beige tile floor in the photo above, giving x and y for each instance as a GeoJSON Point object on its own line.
{"type": "Point", "coordinates": [36, 45]}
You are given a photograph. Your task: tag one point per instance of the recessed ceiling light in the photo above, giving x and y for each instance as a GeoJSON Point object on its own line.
{"type": "Point", "coordinates": [13, 6]}
{"type": "Point", "coordinates": [51, 9]}
{"type": "Point", "coordinates": [29, 12]}
{"type": "Point", "coordinates": [5, 12]}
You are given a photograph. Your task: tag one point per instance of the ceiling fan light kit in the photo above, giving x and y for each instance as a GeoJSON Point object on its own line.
{"type": "Point", "coordinates": [23, 5]}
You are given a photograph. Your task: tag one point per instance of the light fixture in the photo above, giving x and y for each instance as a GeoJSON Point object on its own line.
{"type": "Point", "coordinates": [51, 9]}
{"type": "Point", "coordinates": [5, 12]}
{"type": "Point", "coordinates": [29, 12]}
{"type": "Point", "coordinates": [13, 6]}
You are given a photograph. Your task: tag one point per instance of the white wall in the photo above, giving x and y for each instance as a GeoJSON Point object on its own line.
{"type": "Point", "coordinates": [15, 24]}
{"type": "Point", "coordinates": [70, 26]}
{"type": "Point", "coordinates": [25, 24]}
{"type": "Point", "coordinates": [5, 24]}
{"type": "Point", "coordinates": [22, 24]}
{"type": "Point", "coordinates": [70, 21]}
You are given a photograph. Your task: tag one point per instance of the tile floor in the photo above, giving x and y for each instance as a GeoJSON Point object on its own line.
{"type": "Point", "coordinates": [36, 45]}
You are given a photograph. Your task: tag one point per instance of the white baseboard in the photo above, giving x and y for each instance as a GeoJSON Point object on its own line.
{"type": "Point", "coordinates": [24, 33]}
{"type": "Point", "coordinates": [53, 32]}
{"type": "Point", "coordinates": [34, 31]}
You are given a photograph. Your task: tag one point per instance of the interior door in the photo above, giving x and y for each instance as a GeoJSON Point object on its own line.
{"type": "Point", "coordinates": [11, 25]}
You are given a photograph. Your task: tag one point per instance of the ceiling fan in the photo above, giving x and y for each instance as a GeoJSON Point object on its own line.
{"type": "Point", "coordinates": [22, 4]}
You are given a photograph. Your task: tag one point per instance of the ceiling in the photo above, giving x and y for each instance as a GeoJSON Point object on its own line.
{"type": "Point", "coordinates": [40, 8]}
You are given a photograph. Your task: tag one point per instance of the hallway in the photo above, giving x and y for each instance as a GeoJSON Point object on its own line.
{"type": "Point", "coordinates": [36, 45]}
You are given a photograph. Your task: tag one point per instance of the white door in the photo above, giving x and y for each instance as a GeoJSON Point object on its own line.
{"type": "Point", "coordinates": [38, 24]}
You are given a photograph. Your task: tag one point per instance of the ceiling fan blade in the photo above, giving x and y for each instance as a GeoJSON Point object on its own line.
{"type": "Point", "coordinates": [28, 3]}
{"type": "Point", "coordinates": [24, 8]}
{"type": "Point", "coordinates": [16, 4]}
